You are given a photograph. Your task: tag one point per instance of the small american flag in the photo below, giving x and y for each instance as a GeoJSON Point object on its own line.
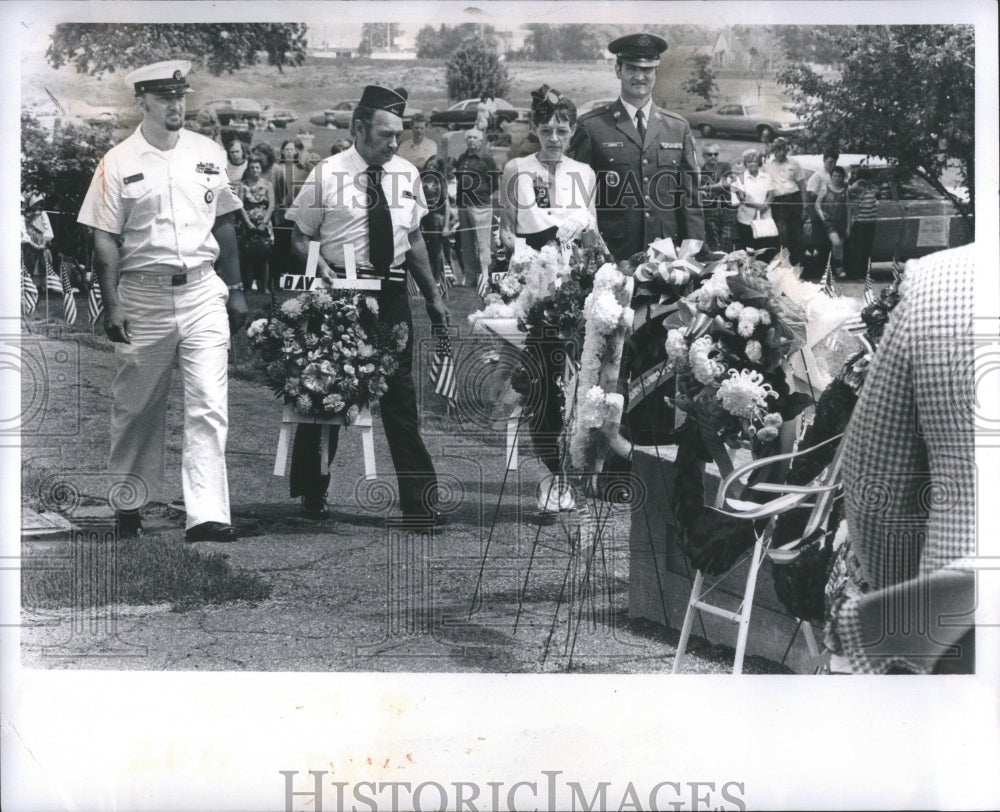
{"type": "Point", "coordinates": [443, 370]}
{"type": "Point", "coordinates": [69, 303]}
{"type": "Point", "coordinates": [828, 288]}
{"type": "Point", "coordinates": [484, 283]}
{"type": "Point", "coordinates": [95, 305]}
{"type": "Point", "coordinates": [869, 294]}
{"type": "Point", "coordinates": [29, 293]}
{"type": "Point", "coordinates": [52, 281]}
{"type": "Point", "coordinates": [412, 289]}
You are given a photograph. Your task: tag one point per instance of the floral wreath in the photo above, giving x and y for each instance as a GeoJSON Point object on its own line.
{"type": "Point", "coordinates": [326, 353]}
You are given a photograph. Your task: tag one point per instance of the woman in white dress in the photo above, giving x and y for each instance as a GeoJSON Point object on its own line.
{"type": "Point", "coordinates": [548, 197]}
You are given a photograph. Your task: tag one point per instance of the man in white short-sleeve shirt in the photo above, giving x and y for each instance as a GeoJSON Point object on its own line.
{"type": "Point", "coordinates": [166, 258]}
{"type": "Point", "coordinates": [344, 200]}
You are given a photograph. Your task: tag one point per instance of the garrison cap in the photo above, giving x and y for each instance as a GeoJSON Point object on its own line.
{"type": "Point", "coordinates": [161, 77]}
{"type": "Point", "coordinates": [639, 49]}
{"type": "Point", "coordinates": [382, 98]}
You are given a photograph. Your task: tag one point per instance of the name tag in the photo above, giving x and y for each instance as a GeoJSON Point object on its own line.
{"type": "Point", "coordinates": [208, 169]}
{"type": "Point", "coordinates": [608, 144]}
{"type": "Point", "coordinates": [671, 145]}
{"type": "Point", "coordinates": [133, 178]}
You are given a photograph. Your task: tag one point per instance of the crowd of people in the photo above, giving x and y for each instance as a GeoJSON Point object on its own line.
{"type": "Point", "coordinates": [183, 227]}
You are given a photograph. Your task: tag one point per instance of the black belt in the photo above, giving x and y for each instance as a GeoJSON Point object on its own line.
{"type": "Point", "coordinates": [368, 272]}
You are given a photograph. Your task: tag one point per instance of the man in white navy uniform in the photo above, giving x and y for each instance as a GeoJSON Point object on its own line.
{"type": "Point", "coordinates": [371, 198]}
{"type": "Point", "coordinates": [167, 261]}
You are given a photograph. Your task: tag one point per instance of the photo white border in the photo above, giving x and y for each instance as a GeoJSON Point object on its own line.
{"type": "Point", "coordinates": [173, 741]}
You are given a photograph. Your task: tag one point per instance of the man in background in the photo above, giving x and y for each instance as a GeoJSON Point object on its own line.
{"type": "Point", "coordinates": [789, 207]}
{"type": "Point", "coordinates": [476, 179]}
{"type": "Point", "coordinates": [419, 149]}
{"type": "Point", "coordinates": [714, 197]}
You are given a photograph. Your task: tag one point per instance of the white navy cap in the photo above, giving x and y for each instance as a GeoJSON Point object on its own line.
{"type": "Point", "coordinates": [161, 77]}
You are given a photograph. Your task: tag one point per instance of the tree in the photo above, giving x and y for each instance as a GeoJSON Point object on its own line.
{"type": "Point", "coordinates": [59, 165]}
{"type": "Point", "coordinates": [906, 93]}
{"type": "Point", "coordinates": [375, 36]}
{"type": "Point", "coordinates": [574, 41]}
{"type": "Point", "coordinates": [475, 69]}
{"type": "Point", "coordinates": [99, 48]}
{"type": "Point", "coordinates": [701, 82]}
{"type": "Point", "coordinates": [443, 42]}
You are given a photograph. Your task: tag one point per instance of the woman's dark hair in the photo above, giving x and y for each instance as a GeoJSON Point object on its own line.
{"type": "Point", "coordinates": [547, 102]}
{"type": "Point", "coordinates": [838, 170]}
{"type": "Point", "coordinates": [436, 168]}
{"type": "Point", "coordinates": [284, 144]}
{"type": "Point", "coordinates": [266, 153]}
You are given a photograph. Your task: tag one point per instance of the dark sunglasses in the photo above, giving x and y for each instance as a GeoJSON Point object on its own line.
{"type": "Point", "coordinates": [712, 153]}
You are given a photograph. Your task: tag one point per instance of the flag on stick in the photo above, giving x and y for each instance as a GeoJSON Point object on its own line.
{"type": "Point", "coordinates": [828, 288]}
{"type": "Point", "coordinates": [443, 370]}
{"type": "Point", "coordinates": [69, 303]}
{"type": "Point", "coordinates": [29, 293]}
{"type": "Point", "coordinates": [95, 305]}
{"type": "Point", "coordinates": [53, 283]}
{"type": "Point", "coordinates": [869, 294]}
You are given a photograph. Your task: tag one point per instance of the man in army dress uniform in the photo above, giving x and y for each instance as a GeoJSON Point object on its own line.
{"type": "Point", "coordinates": [644, 157]}
{"type": "Point", "coordinates": [647, 175]}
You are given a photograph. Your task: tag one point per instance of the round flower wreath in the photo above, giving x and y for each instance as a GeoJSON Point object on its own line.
{"type": "Point", "coordinates": [326, 353]}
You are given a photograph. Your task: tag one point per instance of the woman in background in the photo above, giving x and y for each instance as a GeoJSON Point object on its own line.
{"type": "Point", "coordinates": [754, 191]}
{"type": "Point", "coordinates": [433, 177]}
{"type": "Point", "coordinates": [254, 234]}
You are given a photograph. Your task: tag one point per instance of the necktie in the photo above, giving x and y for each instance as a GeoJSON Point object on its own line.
{"type": "Point", "coordinates": [640, 125]}
{"type": "Point", "coordinates": [380, 244]}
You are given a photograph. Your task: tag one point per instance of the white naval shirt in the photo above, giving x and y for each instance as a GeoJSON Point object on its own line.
{"type": "Point", "coordinates": [332, 206]}
{"type": "Point", "coordinates": [163, 203]}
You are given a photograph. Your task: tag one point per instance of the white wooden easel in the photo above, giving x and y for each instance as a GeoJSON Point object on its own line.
{"type": "Point", "coordinates": [823, 488]}
{"type": "Point", "coordinates": [289, 416]}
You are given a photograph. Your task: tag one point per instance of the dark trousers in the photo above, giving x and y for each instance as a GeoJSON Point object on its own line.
{"type": "Point", "coordinates": [414, 469]}
{"type": "Point", "coordinates": [718, 228]}
{"type": "Point", "coordinates": [546, 360]}
{"type": "Point", "coordinates": [860, 246]}
{"type": "Point", "coordinates": [787, 213]}
{"type": "Point", "coordinates": [254, 268]}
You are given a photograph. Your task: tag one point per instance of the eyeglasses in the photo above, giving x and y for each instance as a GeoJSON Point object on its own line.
{"type": "Point", "coordinates": [711, 154]}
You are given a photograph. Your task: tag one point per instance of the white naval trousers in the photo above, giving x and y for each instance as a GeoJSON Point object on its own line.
{"type": "Point", "coordinates": [167, 322]}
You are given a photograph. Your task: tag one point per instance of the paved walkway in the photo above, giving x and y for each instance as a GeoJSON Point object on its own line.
{"type": "Point", "coordinates": [500, 589]}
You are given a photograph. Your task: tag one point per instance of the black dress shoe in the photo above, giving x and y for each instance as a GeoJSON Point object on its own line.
{"type": "Point", "coordinates": [128, 523]}
{"type": "Point", "coordinates": [211, 531]}
{"type": "Point", "coordinates": [314, 508]}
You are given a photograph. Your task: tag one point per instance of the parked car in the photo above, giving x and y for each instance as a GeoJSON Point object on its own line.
{"type": "Point", "coordinates": [279, 119]}
{"type": "Point", "coordinates": [339, 115]}
{"type": "Point", "coordinates": [89, 114]}
{"type": "Point", "coordinates": [762, 122]}
{"type": "Point", "coordinates": [236, 113]}
{"type": "Point", "coordinates": [463, 114]}
{"type": "Point", "coordinates": [914, 218]}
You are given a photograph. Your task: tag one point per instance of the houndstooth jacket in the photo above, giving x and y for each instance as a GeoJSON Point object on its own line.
{"type": "Point", "coordinates": [909, 454]}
